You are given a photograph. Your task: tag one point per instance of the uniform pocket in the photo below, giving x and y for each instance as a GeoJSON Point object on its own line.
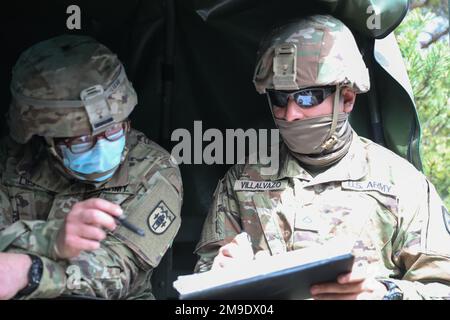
{"type": "Point", "coordinates": [267, 213]}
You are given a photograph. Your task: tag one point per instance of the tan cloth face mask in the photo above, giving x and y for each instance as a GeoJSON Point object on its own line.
{"type": "Point", "coordinates": [305, 139]}
{"type": "Point", "coordinates": [307, 136]}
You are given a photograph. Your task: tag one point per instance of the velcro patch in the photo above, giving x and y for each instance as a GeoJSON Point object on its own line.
{"type": "Point", "coordinates": [160, 218]}
{"type": "Point", "coordinates": [158, 213]}
{"type": "Point", "coordinates": [370, 185]}
{"type": "Point", "coordinates": [248, 185]}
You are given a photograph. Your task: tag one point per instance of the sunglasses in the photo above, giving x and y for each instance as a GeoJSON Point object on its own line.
{"type": "Point", "coordinates": [305, 98]}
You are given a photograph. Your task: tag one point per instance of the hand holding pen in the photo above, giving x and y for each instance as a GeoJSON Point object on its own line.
{"type": "Point", "coordinates": [84, 227]}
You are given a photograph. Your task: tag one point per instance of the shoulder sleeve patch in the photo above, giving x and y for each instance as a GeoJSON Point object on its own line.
{"type": "Point", "coordinates": [157, 212]}
{"type": "Point", "coordinates": [160, 218]}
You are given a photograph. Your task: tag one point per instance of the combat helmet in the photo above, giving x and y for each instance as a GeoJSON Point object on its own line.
{"type": "Point", "coordinates": [315, 51]}
{"type": "Point", "coordinates": [68, 86]}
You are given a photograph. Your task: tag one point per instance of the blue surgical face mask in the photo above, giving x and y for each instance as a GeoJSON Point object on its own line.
{"type": "Point", "coordinates": [104, 157]}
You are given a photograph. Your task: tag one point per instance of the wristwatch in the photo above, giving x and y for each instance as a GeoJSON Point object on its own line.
{"type": "Point", "coordinates": [34, 276]}
{"type": "Point", "coordinates": [393, 291]}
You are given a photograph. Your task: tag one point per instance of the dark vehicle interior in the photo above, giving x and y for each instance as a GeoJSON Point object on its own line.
{"type": "Point", "coordinates": [193, 60]}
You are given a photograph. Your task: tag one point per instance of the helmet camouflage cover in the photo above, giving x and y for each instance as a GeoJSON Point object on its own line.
{"type": "Point", "coordinates": [66, 87]}
{"type": "Point", "coordinates": [317, 50]}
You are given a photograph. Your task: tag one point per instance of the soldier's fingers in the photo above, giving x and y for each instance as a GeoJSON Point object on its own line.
{"type": "Point", "coordinates": [72, 245]}
{"type": "Point", "coordinates": [237, 252]}
{"type": "Point", "coordinates": [357, 275]}
{"type": "Point", "coordinates": [86, 245]}
{"type": "Point", "coordinates": [229, 250]}
{"type": "Point", "coordinates": [98, 218]}
{"type": "Point", "coordinates": [103, 205]}
{"type": "Point", "coordinates": [91, 233]}
{"type": "Point", "coordinates": [221, 262]}
{"type": "Point", "coordinates": [337, 288]}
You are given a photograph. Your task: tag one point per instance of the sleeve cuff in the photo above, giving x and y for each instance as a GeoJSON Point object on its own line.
{"type": "Point", "coordinates": [408, 288]}
{"type": "Point", "coordinates": [53, 281]}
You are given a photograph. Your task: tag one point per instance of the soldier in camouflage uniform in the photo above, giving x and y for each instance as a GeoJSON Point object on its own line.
{"type": "Point", "coordinates": [331, 184]}
{"type": "Point", "coordinates": [70, 165]}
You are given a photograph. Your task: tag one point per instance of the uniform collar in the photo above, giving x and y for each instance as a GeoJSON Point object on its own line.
{"type": "Point", "coordinates": [353, 166]}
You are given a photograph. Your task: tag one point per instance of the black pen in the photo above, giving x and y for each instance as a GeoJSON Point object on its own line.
{"type": "Point", "coordinates": [121, 220]}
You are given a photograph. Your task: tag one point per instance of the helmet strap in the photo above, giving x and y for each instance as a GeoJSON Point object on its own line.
{"type": "Point", "coordinates": [52, 148]}
{"type": "Point", "coordinates": [332, 139]}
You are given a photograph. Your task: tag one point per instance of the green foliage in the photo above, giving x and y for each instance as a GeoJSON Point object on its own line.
{"type": "Point", "coordinates": [428, 71]}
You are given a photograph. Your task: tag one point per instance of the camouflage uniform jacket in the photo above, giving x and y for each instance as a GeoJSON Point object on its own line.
{"type": "Point", "coordinates": [34, 199]}
{"type": "Point", "coordinates": [400, 227]}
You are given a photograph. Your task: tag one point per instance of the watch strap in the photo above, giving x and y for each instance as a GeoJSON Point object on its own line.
{"type": "Point", "coordinates": [34, 276]}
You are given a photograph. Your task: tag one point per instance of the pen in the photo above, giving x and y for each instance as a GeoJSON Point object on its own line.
{"type": "Point", "coordinates": [121, 220]}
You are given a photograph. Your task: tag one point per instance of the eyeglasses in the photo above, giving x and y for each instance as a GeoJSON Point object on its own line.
{"type": "Point", "coordinates": [305, 98]}
{"type": "Point", "coordinates": [85, 143]}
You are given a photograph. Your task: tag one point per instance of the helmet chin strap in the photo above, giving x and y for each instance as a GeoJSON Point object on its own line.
{"type": "Point", "coordinates": [52, 149]}
{"type": "Point", "coordinates": [89, 178]}
{"type": "Point", "coordinates": [332, 139]}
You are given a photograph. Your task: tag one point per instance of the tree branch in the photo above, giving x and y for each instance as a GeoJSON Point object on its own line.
{"type": "Point", "coordinates": [434, 37]}
{"type": "Point", "coordinates": [418, 4]}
